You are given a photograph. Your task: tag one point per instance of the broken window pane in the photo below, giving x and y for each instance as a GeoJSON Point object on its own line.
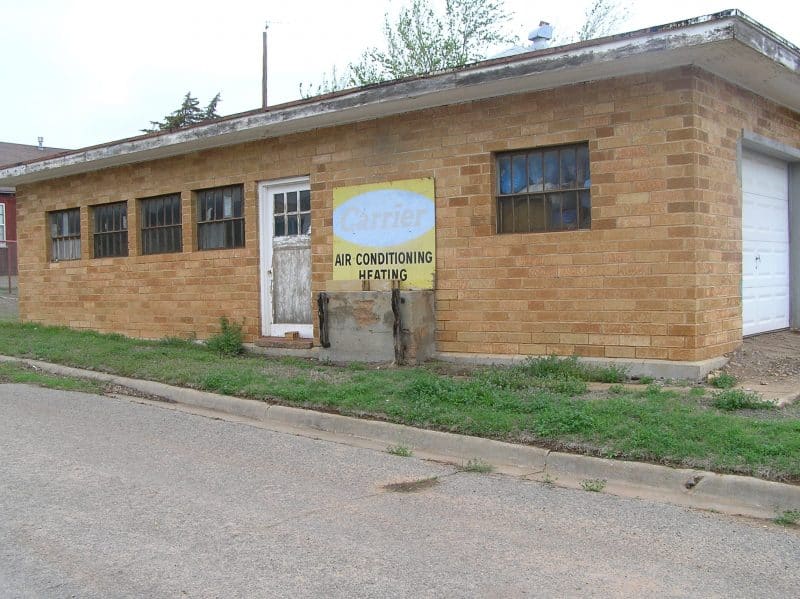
{"type": "Point", "coordinates": [551, 175]}
{"type": "Point", "coordinates": [535, 174]}
{"type": "Point", "coordinates": [568, 168]}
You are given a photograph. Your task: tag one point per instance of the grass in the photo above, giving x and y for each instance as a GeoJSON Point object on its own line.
{"type": "Point", "coordinates": [788, 518]}
{"type": "Point", "coordinates": [723, 381]}
{"type": "Point", "coordinates": [399, 450]}
{"type": "Point", "coordinates": [478, 466]}
{"type": "Point", "coordinates": [542, 402]}
{"type": "Point", "coordinates": [594, 485]}
{"type": "Point", "coordinates": [738, 399]}
{"type": "Point", "coordinates": [20, 373]}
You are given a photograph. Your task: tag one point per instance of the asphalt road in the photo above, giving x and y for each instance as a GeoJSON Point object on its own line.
{"type": "Point", "coordinates": [103, 497]}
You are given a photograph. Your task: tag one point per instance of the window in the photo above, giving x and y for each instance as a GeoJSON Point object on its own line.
{"type": "Point", "coordinates": [162, 231]}
{"type": "Point", "coordinates": [65, 235]}
{"type": "Point", "coordinates": [2, 222]}
{"type": "Point", "coordinates": [292, 212]}
{"type": "Point", "coordinates": [544, 190]}
{"type": "Point", "coordinates": [111, 230]}
{"type": "Point", "coordinates": [220, 218]}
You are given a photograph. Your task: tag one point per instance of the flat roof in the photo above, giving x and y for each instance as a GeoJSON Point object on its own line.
{"type": "Point", "coordinates": [728, 44]}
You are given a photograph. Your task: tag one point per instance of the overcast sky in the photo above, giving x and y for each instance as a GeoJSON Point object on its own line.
{"type": "Point", "coordinates": [84, 72]}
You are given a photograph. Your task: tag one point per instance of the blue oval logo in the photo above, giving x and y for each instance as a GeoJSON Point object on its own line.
{"type": "Point", "coordinates": [384, 217]}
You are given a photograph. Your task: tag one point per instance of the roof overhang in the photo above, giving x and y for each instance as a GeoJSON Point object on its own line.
{"type": "Point", "coordinates": [728, 44]}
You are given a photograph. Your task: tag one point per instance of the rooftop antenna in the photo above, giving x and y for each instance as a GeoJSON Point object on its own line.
{"type": "Point", "coordinates": [264, 67]}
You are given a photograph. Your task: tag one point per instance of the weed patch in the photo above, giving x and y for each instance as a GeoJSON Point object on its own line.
{"type": "Point", "coordinates": [738, 399]}
{"type": "Point", "coordinates": [593, 485]}
{"type": "Point", "coordinates": [477, 465]}
{"type": "Point", "coordinates": [788, 518]}
{"type": "Point", "coordinates": [723, 381]}
{"type": "Point", "coordinates": [399, 450]}
{"type": "Point", "coordinates": [229, 341]}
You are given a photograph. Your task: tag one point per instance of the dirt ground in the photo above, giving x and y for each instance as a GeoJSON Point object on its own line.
{"type": "Point", "coordinates": [768, 364]}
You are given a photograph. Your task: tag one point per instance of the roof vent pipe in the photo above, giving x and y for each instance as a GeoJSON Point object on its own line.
{"type": "Point", "coordinates": [41, 144]}
{"type": "Point", "coordinates": [541, 36]}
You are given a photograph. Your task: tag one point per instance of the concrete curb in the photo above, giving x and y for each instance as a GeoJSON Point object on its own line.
{"type": "Point", "coordinates": [739, 495]}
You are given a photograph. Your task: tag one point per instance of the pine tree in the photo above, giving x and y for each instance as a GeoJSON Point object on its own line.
{"type": "Point", "coordinates": [189, 113]}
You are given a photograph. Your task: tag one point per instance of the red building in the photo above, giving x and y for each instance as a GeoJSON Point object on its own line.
{"type": "Point", "coordinates": [12, 154]}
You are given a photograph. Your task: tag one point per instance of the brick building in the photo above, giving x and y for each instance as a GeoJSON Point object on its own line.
{"type": "Point", "coordinates": [623, 198]}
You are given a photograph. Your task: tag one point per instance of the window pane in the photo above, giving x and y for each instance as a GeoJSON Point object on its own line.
{"type": "Point", "coordinates": [291, 224]}
{"type": "Point", "coordinates": [218, 204]}
{"type": "Point", "coordinates": [536, 215]}
{"type": "Point", "coordinates": [228, 225]}
{"type": "Point", "coordinates": [554, 212]}
{"type": "Point", "coordinates": [521, 215]}
{"type": "Point", "coordinates": [210, 236]}
{"type": "Point", "coordinates": [206, 212]}
{"type": "Point", "coordinates": [238, 233]}
{"type": "Point", "coordinates": [551, 176]}
{"type": "Point", "coordinates": [176, 211]}
{"type": "Point", "coordinates": [568, 168]}
{"type": "Point", "coordinates": [586, 210]}
{"type": "Point", "coordinates": [582, 165]}
{"type": "Point", "coordinates": [291, 201]}
{"type": "Point", "coordinates": [504, 174]}
{"type": "Point", "coordinates": [535, 175]}
{"type": "Point", "coordinates": [227, 203]}
{"type": "Point", "coordinates": [519, 174]}
{"type": "Point", "coordinates": [73, 223]}
{"type": "Point", "coordinates": [278, 204]}
{"type": "Point", "coordinates": [305, 224]}
{"type": "Point", "coordinates": [507, 216]}
{"type": "Point", "coordinates": [569, 210]}
{"type": "Point", "coordinates": [280, 228]}
{"type": "Point", "coordinates": [238, 203]}
{"type": "Point", "coordinates": [305, 200]}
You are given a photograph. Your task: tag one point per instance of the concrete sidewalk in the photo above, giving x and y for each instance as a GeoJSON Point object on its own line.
{"type": "Point", "coordinates": [731, 494]}
{"type": "Point", "coordinates": [9, 303]}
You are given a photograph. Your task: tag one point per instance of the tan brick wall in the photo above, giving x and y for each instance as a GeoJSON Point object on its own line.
{"type": "Point", "coordinates": [723, 112]}
{"type": "Point", "coordinates": [654, 277]}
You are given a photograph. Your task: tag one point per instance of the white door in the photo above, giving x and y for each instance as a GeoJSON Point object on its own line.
{"type": "Point", "coordinates": [765, 243]}
{"type": "Point", "coordinates": [285, 242]}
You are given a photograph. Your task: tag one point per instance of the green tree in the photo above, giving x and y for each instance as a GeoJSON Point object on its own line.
{"type": "Point", "coordinates": [189, 113]}
{"type": "Point", "coordinates": [422, 40]}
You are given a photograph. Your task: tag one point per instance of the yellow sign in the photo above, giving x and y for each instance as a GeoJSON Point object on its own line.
{"type": "Point", "coordinates": [385, 231]}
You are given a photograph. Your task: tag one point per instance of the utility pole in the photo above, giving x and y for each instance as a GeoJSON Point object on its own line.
{"type": "Point", "coordinates": [264, 67]}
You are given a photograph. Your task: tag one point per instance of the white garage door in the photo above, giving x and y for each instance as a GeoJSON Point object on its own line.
{"type": "Point", "coordinates": [765, 243]}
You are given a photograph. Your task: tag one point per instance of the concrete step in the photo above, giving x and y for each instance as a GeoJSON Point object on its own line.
{"type": "Point", "coordinates": [285, 343]}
